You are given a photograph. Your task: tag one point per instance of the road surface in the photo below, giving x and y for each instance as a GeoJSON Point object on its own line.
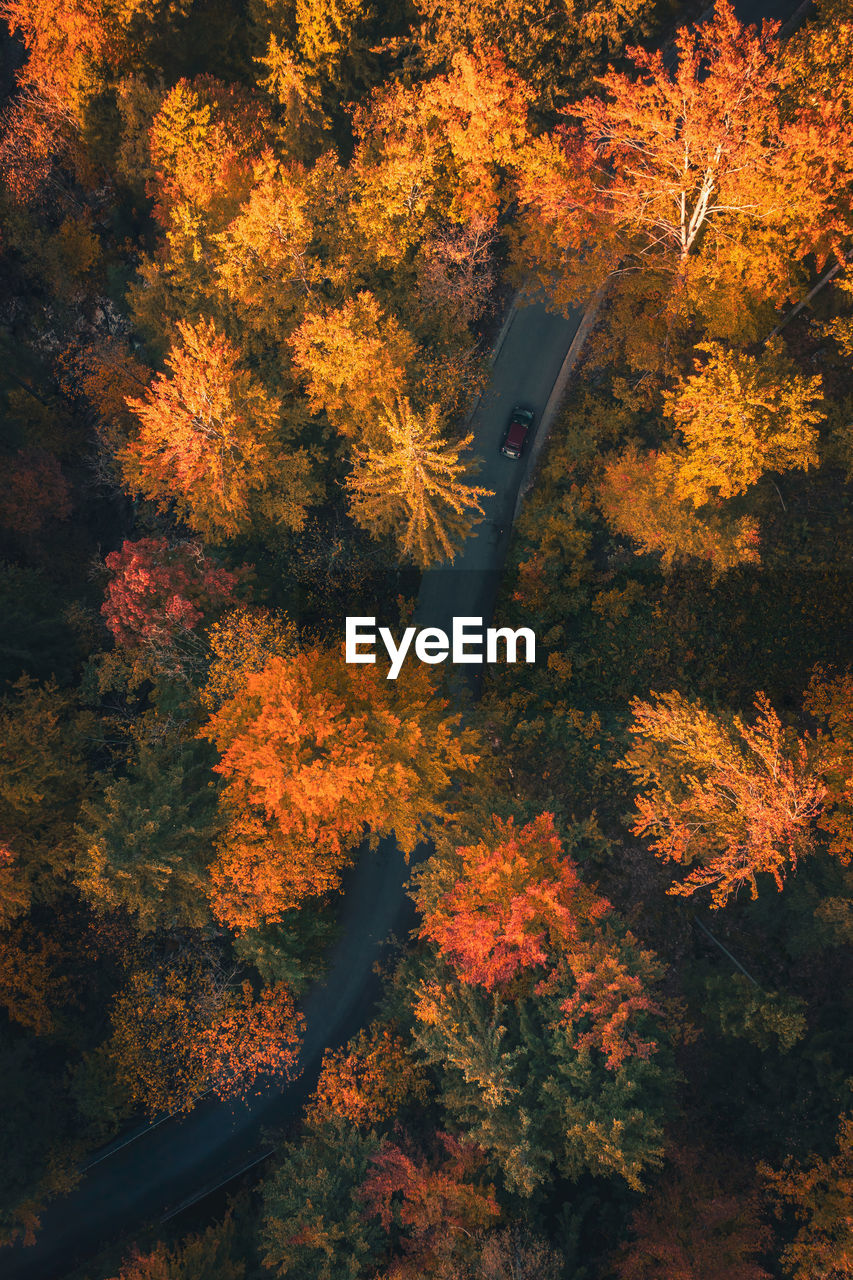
{"type": "Point", "coordinates": [180, 1160]}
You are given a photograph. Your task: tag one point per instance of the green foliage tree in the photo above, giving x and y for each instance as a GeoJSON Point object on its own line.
{"type": "Point", "coordinates": [556, 51]}
{"type": "Point", "coordinates": [147, 839]}
{"type": "Point", "coordinates": [513, 1082]}
{"type": "Point", "coordinates": [768, 1019]}
{"type": "Point", "coordinates": [43, 779]}
{"type": "Point", "coordinates": [314, 1224]}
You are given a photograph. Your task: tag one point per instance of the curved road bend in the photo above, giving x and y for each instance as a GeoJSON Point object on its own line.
{"type": "Point", "coordinates": [181, 1159]}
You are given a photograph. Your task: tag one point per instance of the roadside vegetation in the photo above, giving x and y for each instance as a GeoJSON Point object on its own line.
{"type": "Point", "coordinates": [253, 257]}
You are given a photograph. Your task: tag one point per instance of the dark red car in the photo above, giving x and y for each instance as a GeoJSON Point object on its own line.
{"type": "Point", "coordinates": [515, 436]}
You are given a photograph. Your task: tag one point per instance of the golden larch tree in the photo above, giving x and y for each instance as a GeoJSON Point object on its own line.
{"type": "Point", "coordinates": [413, 486]}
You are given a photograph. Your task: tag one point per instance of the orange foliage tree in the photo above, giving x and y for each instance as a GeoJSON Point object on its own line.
{"type": "Point", "coordinates": [369, 1081]}
{"type": "Point", "coordinates": [518, 898]}
{"type": "Point", "coordinates": [642, 497]}
{"type": "Point", "coordinates": [38, 132]}
{"type": "Point", "coordinates": [65, 43]}
{"type": "Point", "coordinates": [202, 143]}
{"type": "Point", "coordinates": [209, 442]}
{"type": "Point", "coordinates": [821, 1197]}
{"type": "Point", "coordinates": [456, 270]}
{"type": "Point", "coordinates": [432, 1206]}
{"type": "Point", "coordinates": [683, 168]}
{"type": "Point", "coordinates": [285, 247]}
{"type": "Point", "coordinates": [317, 755]}
{"type": "Point", "coordinates": [182, 1028]}
{"type": "Point", "coordinates": [738, 800]}
{"type": "Point", "coordinates": [436, 151]}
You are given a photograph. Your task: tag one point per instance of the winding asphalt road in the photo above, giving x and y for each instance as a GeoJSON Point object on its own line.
{"type": "Point", "coordinates": [178, 1161]}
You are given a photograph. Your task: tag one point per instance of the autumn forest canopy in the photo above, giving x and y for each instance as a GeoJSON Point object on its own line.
{"type": "Point", "coordinates": [255, 255]}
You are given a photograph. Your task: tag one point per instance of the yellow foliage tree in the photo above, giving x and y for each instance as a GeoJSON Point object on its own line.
{"type": "Point", "coordinates": [436, 151]}
{"type": "Point", "coordinates": [354, 359]}
{"type": "Point", "coordinates": [641, 497]}
{"type": "Point", "coordinates": [269, 267]}
{"type": "Point", "coordinates": [306, 126]}
{"type": "Point", "coordinates": [413, 486]}
{"type": "Point", "coordinates": [741, 416]}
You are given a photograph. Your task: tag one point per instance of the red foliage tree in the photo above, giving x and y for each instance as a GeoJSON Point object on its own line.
{"type": "Point", "coordinates": [435, 1204]}
{"type": "Point", "coordinates": [157, 590]}
{"type": "Point", "coordinates": [698, 1223]}
{"type": "Point", "coordinates": [518, 897]}
{"type": "Point", "coordinates": [34, 490]}
{"type": "Point", "coordinates": [602, 1010]}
